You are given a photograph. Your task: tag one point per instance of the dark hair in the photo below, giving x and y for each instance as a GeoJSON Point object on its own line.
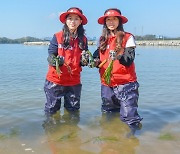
{"type": "Point", "coordinates": [105, 32]}
{"type": "Point", "coordinates": [67, 34]}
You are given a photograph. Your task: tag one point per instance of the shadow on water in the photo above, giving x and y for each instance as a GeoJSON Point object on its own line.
{"type": "Point", "coordinates": [105, 134]}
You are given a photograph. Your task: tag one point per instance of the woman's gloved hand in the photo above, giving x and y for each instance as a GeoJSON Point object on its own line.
{"type": "Point", "coordinates": [53, 60]}
{"type": "Point", "coordinates": [84, 58]}
{"type": "Point", "coordinates": [96, 62]}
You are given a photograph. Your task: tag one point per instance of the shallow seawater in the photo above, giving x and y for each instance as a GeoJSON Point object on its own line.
{"type": "Point", "coordinates": [25, 129]}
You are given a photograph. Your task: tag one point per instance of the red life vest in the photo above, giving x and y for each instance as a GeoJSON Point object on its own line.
{"type": "Point", "coordinates": [120, 74]}
{"type": "Point", "coordinates": [72, 58]}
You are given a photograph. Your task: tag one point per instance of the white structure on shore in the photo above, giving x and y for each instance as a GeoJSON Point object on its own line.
{"type": "Point", "coordinates": [37, 43]}
{"type": "Point", "coordinates": [159, 43]}
{"type": "Point", "coordinates": [47, 43]}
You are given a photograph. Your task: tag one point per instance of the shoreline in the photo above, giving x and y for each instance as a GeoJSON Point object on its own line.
{"type": "Point", "coordinates": [47, 43]}
{"type": "Point", "coordinates": [138, 43]}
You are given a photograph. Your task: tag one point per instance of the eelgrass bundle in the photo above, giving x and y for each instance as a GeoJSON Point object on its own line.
{"type": "Point", "coordinates": [57, 65]}
{"type": "Point", "coordinates": [91, 59]}
{"type": "Point", "coordinates": [107, 74]}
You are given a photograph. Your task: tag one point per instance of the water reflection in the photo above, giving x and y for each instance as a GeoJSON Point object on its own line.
{"type": "Point", "coordinates": [105, 135]}
{"type": "Point", "coordinates": [116, 133]}
{"type": "Point", "coordinates": [62, 132]}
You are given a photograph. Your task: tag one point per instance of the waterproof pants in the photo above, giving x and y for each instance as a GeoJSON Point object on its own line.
{"type": "Point", "coordinates": [124, 99]}
{"type": "Point", "coordinates": [54, 94]}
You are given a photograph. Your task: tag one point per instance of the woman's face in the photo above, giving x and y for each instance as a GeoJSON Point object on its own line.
{"type": "Point", "coordinates": [73, 21]}
{"type": "Point", "coordinates": [112, 23]}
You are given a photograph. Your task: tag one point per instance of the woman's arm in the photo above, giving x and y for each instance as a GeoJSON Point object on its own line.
{"type": "Point", "coordinates": [128, 56]}
{"type": "Point", "coordinates": [53, 47]}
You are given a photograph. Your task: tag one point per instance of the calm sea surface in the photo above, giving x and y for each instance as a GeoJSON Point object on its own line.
{"type": "Point", "coordinates": [25, 129]}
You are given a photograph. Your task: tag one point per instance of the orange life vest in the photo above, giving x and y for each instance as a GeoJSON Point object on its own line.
{"type": "Point", "coordinates": [71, 69]}
{"type": "Point", "coordinates": [120, 74]}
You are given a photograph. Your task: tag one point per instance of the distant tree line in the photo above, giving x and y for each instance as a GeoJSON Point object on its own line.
{"type": "Point", "coordinates": [5, 40]}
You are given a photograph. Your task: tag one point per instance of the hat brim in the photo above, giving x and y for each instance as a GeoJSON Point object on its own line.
{"type": "Point", "coordinates": [101, 20]}
{"type": "Point", "coordinates": [63, 16]}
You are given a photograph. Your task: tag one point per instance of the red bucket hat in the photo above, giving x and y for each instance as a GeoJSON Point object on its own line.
{"type": "Point", "coordinates": [76, 11]}
{"type": "Point", "coordinates": [112, 13]}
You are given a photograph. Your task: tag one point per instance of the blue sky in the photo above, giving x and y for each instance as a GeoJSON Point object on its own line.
{"type": "Point", "coordinates": [39, 18]}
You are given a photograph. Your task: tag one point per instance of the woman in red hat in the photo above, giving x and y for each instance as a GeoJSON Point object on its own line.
{"type": "Point", "coordinates": [115, 60]}
{"type": "Point", "coordinates": [65, 61]}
